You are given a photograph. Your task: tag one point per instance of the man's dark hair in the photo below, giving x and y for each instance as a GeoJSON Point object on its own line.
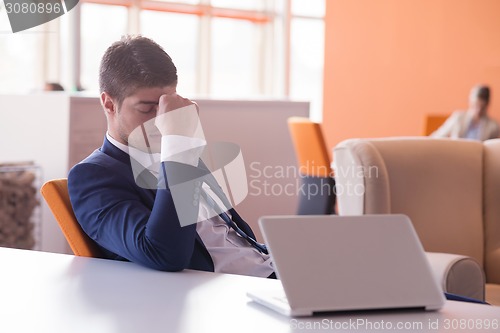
{"type": "Point", "coordinates": [482, 92]}
{"type": "Point", "coordinates": [135, 62]}
{"type": "Point", "coordinates": [53, 86]}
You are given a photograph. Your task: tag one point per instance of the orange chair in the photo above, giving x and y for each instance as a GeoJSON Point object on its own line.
{"type": "Point", "coordinates": [314, 166]}
{"type": "Point", "coordinates": [55, 193]}
{"type": "Point", "coordinates": [433, 122]}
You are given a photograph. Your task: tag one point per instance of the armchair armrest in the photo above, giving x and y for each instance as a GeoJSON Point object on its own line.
{"type": "Point", "coordinates": [458, 274]}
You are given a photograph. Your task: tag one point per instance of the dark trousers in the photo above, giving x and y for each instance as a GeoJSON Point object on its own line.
{"type": "Point", "coordinates": [453, 297]}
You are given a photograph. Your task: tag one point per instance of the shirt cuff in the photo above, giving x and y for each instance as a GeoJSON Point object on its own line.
{"type": "Point", "coordinates": [182, 149]}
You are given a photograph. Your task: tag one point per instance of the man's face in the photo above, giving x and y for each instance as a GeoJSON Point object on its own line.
{"type": "Point", "coordinates": [132, 123]}
{"type": "Point", "coordinates": [478, 106]}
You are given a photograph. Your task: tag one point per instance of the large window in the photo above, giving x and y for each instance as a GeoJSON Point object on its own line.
{"type": "Point", "coordinates": [21, 62]}
{"type": "Point", "coordinates": [234, 68]}
{"type": "Point", "coordinates": [307, 53]}
{"type": "Point", "coordinates": [100, 26]}
{"type": "Point", "coordinates": [222, 48]}
{"type": "Point", "coordinates": [178, 35]}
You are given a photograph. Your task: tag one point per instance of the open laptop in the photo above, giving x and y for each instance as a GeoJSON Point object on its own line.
{"type": "Point", "coordinates": [346, 263]}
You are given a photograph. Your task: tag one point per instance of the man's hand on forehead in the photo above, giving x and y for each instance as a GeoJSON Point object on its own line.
{"type": "Point", "coordinates": [176, 115]}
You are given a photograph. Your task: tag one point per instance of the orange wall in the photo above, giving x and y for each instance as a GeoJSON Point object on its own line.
{"type": "Point", "coordinates": [390, 62]}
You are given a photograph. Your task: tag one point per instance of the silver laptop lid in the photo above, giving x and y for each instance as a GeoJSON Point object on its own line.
{"type": "Point", "coordinates": [337, 263]}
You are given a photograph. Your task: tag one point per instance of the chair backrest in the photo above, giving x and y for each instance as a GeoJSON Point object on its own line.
{"type": "Point", "coordinates": [310, 147]}
{"type": "Point", "coordinates": [318, 193]}
{"type": "Point", "coordinates": [55, 193]}
{"type": "Point", "coordinates": [433, 122]}
{"type": "Point", "coordinates": [438, 183]}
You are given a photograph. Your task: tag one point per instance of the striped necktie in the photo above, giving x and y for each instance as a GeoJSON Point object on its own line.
{"type": "Point", "coordinates": [225, 216]}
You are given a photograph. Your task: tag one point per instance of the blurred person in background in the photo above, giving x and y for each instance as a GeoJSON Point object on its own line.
{"type": "Point", "coordinates": [53, 86]}
{"type": "Point", "coordinates": [474, 123]}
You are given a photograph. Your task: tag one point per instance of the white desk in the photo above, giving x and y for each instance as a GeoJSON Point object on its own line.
{"type": "Point", "coordinates": [56, 293]}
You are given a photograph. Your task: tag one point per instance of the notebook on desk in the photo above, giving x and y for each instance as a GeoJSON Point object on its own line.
{"type": "Point", "coordinates": [346, 263]}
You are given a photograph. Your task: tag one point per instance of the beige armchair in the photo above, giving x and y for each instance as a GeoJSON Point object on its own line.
{"type": "Point", "coordinates": [450, 189]}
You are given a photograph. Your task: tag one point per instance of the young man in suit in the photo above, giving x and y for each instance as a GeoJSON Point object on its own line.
{"type": "Point", "coordinates": [118, 208]}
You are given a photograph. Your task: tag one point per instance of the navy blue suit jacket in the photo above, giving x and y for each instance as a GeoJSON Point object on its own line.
{"type": "Point", "coordinates": [133, 223]}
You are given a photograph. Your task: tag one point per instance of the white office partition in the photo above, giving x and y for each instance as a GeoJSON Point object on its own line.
{"type": "Point", "coordinates": [57, 130]}
{"type": "Point", "coordinates": [260, 128]}
{"type": "Point", "coordinates": [35, 128]}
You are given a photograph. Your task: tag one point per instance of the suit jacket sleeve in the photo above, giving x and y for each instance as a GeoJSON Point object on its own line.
{"type": "Point", "coordinates": [114, 212]}
{"type": "Point", "coordinates": [447, 129]}
{"type": "Point", "coordinates": [493, 129]}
